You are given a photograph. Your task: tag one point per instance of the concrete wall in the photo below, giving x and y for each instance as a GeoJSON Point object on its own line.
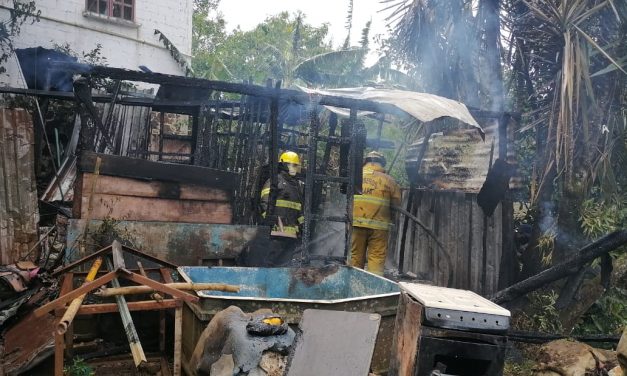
{"type": "Point", "coordinates": [125, 44]}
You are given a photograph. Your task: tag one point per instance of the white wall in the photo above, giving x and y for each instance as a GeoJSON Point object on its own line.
{"type": "Point", "coordinates": [124, 44]}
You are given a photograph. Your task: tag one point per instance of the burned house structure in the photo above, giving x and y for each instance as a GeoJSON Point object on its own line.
{"type": "Point", "coordinates": [194, 153]}
{"type": "Point", "coordinates": [177, 174]}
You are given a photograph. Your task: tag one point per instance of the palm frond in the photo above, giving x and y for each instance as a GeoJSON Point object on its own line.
{"type": "Point", "coordinates": [349, 25]}
{"type": "Point", "coordinates": [601, 50]}
{"type": "Point", "coordinates": [318, 68]}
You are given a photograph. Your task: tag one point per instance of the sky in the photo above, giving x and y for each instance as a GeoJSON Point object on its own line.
{"type": "Point", "coordinates": [249, 13]}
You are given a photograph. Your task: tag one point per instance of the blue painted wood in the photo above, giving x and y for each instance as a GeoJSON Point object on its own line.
{"type": "Point", "coordinates": [179, 243]}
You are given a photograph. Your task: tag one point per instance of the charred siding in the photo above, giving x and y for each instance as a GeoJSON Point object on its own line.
{"type": "Point", "coordinates": [19, 214]}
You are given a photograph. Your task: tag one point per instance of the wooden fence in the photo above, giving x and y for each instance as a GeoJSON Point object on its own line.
{"type": "Point", "coordinates": [475, 244]}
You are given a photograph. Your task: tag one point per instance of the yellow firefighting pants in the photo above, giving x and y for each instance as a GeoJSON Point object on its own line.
{"type": "Point", "coordinates": [374, 243]}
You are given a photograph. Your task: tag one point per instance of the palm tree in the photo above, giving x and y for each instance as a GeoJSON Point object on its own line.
{"type": "Point", "coordinates": [574, 89]}
{"type": "Point", "coordinates": [563, 65]}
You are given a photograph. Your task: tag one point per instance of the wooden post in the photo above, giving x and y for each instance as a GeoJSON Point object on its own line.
{"type": "Point", "coordinates": [154, 295]}
{"type": "Point", "coordinates": [167, 278]}
{"type": "Point", "coordinates": [58, 354]}
{"type": "Point", "coordinates": [178, 337]}
{"type": "Point", "coordinates": [68, 339]}
{"type": "Point", "coordinates": [162, 331]}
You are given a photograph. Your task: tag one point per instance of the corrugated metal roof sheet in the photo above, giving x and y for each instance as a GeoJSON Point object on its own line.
{"type": "Point", "coordinates": [19, 213]}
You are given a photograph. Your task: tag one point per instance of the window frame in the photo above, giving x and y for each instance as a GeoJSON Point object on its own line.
{"type": "Point", "coordinates": [110, 6]}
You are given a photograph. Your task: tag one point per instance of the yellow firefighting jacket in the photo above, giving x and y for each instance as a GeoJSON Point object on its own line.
{"type": "Point", "coordinates": [288, 207]}
{"type": "Point", "coordinates": [372, 209]}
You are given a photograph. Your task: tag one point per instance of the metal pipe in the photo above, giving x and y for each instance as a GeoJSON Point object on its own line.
{"type": "Point", "coordinates": [72, 309]}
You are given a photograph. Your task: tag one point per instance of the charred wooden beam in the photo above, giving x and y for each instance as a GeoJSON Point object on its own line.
{"type": "Point", "coordinates": [537, 337]}
{"type": "Point", "coordinates": [93, 309]}
{"type": "Point", "coordinates": [82, 92]}
{"type": "Point", "coordinates": [588, 253]}
{"type": "Point", "coordinates": [246, 89]}
{"type": "Point", "coordinates": [150, 170]}
{"type": "Point", "coordinates": [173, 106]}
{"type": "Point", "coordinates": [163, 104]}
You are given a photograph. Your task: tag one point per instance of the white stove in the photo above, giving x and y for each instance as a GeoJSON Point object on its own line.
{"type": "Point", "coordinates": [458, 309]}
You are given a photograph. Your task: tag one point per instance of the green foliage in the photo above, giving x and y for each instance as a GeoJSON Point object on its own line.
{"type": "Point", "coordinates": [93, 57]}
{"type": "Point", "coordinates": [108, 231]}
{"type": "Point", "coordinates": [400, 134]}
{"type": "Point", "coordinates": [349, 25]}
{"type": "Point", "coordinates": [175, 53]}
{"type": "Point", "coordinates": [541, 314]}
{"type": "Point", "coordinates": [19, 14]}
{"type": "Point", "coordinates": [272, 50]}
{"type": "Point", "coordinates": [335, 68]}
{"type": "Point", "coordinates": [599, 217]}
{"type": "Point", "coordinates": [519, 369]}
{"type": "Point", "coordinates": [79, 368]}
{"type": "Point", "coordinates": [608, 315]}
{"type": "Point", "coordinates": [283, 47]}
{"type": "Point", "coordinates": [525, 149]}
{"type": "Point", "coordinates": [207, 26]}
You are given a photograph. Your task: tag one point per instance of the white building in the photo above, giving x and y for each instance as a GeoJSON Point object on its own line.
{"type": "Point", "coordinates": [124, 28]}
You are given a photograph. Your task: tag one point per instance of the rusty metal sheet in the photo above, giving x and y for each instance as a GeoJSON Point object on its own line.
{"type": "Point", "coordinates": [19, 213]}
{"type": "Point", "coordinates": [179, 243]}
{"type": "Point", "coordinates": [334, 343]}
{"type": "Point", "coordinates": [28, 343]}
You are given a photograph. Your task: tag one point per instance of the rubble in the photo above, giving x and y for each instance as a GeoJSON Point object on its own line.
{"type": "Point", "coordinates": [621, 350]}
{"type": "Point", "coordinates": [569, 358]}
{"type": "Point", "coordinates": [191, 211]}
{"type": "Point", "coordinates": [28, 343]}
{"type": "Point", "coordinates": [228, 333]}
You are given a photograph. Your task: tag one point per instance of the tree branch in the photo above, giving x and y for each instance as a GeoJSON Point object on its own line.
{"type": "Point", "coordinates": [588, 253]}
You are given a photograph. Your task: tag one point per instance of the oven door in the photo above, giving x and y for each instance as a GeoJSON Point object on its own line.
{"type": "Point", "coordinates": [458, 357]}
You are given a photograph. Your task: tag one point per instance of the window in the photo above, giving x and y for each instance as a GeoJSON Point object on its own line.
{"type": "Point", "coordinates": [123, 9]}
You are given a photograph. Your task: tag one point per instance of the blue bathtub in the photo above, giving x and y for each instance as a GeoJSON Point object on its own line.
{"type": "Point", "coordinates": [289, 292]}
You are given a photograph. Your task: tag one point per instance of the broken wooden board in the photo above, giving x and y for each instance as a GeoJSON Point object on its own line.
{"type": "Point", "coordinates": [149, 200]}
{"type": "Point", "coordinates": [334, 343]}
{"type": "Point", "coordinates": [179, 243]}
{"type": "Point", "coordinates": [28, 343]}
{"type": "Point", "coordinates": [159, 171]}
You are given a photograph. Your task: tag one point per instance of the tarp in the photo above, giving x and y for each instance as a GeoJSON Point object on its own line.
{"type": "Point", "coordinates": [422, 106]}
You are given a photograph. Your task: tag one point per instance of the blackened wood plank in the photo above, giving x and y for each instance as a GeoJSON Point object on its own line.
{"type": "Point", "coordinates": [149, 170]}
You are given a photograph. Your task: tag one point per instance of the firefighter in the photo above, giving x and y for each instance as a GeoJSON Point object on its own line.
{"type": "Point", "coordinates": [285, 234]}
{"type": "Point", "coordinates": [372, 214]}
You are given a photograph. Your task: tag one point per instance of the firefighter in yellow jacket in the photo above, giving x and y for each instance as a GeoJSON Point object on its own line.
{"type": "Point", "coordinates": [283, 248]}
{"type": "Point", "coordinates": [372, 214]}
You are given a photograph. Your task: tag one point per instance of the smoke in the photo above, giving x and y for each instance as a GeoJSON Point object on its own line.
{"type": "Point", "coordinates": [329, 237]}
{"type": "Point", "coordinates": [39, 73]}
{"type": "Point", "coordinates": [452, 49]}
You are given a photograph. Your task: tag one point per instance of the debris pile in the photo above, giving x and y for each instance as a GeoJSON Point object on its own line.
{"type": "Point", "coordinates": [234, 343]}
